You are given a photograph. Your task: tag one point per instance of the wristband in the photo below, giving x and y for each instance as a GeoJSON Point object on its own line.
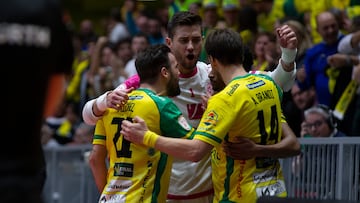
{"type": "Point", "coordinates": [101, 102]}
{"type": "Point", "coordinates": [288, 55]}
{"type": "Point", "coordinates": [150, 138]}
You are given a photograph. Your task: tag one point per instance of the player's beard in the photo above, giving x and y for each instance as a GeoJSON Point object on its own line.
{"type": "Point", "coordinates": [189, 61]}
{"type": "Point", "coordinates": [172, 87]}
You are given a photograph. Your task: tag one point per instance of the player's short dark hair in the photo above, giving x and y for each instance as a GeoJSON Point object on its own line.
{"type": "Point", "coordinates": [150, 61]}
{"type": "Point", "coordinates": [225, 45]}
{"type": "Point", "coordinates": [182, 18]}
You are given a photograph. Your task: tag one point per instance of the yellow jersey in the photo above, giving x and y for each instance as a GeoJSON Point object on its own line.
{"type": "Point", "coordinates": [137, 173]}
{"type": "Point", "coordinates": [249, 106]}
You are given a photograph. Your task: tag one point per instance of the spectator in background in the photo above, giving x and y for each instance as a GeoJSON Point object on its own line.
{"type": "Point", "coordinates": [344, 93]}
{"type": "Point", "coordinates": [47, 137]}
{"type": "Point", "coordinates": [210, 20]}
{"type": "Point", "coordinates": [65, 132]}
{"type": "Point", "coordinates": [123, 54]}
{"type": "Point", "coordinates": [320, 122]}
{"type": "Point", "coordinates": [269, 12]}
{"type": "Point", "coordinates": [356, 119]}
{"type": "Point", "coordinates": [156, 33]}
{"type": "Point", "coordinates": [136, 17]}
{"type": "Point", "coordinates": [116, 28]}
{"type": "Point", "coordinates": [260, 50]}
{"type": "Point", "coordinates": [99, 75]}
{"type": "Point", "coordinates": [83, 134]}
{"type": "Point", "coordinates": [248, 26]}
{"type": "Point", "coordinates": [195, 8]}
{"type": "Point", "coordinates": [230, 11]}
{"type": "Point", "coordinates": [297, 102]}
{"type": "Point", "coordinates": [41, 57]}
{"type": "Point", "coordinates": [77, 88]}
{"type": "Point", "coordinates": [131, 10]}
{"type": "Point", "coordinates": [139, 42]}
{"type": "Point", "coordinates": [86, 33]}
{"type": "Point", "coordinates": [349, 53]}
{"type": "Point", "coordinates": [317, 71]}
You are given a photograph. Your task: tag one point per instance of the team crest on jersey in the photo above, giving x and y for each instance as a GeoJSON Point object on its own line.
{"type": "Point", "coordinates": [211, 118]}
{"type": "Point", "coordinates": [183, 122]}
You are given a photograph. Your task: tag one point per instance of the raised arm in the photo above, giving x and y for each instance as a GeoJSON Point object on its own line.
{"type": "Point", "coordinates": [285, 72]}
{"type": "Point", "coordinates": [95, 108]}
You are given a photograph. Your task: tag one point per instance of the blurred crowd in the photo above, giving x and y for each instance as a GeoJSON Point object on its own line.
{"type": "Point", "coordinates": [328, 68]}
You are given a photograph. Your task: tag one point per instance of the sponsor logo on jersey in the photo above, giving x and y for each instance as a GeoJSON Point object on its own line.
{"type": "Point", "coordinates": [183, 123]}
{"type": "Point", "coordinates": [265, 176]}
{"type": "Point", "coordinates": [123, 169]}
{"type": "Point", "coordinates": [116, 198]}
{"type": "Point", "coordinates": [255, 84]}
{"type": "Point", "coordinates": [119, 186]}
{"type": "Point", "coordinates": [135, 97]}
{"type": "Point", "coordinates": [211, 118]}
{"type": "Point", "coordinates": [271, 190]}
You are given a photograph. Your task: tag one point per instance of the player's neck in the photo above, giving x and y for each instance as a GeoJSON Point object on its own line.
{"type": "Point", "coordinates": [158, 89]}
{"type": "Point", "coordinates": [232, 71]}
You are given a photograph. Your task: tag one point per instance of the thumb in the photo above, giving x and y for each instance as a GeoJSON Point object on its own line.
{"type": "Point", "coordinates": [137, 119]}
{"type": "Point", "coordinates": [128, 90]}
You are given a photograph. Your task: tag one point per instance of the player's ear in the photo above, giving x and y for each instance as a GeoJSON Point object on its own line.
{"type": "Point", "coordinates": [168, 41]}
{"type": "Point", "coordinates": [164, 72]}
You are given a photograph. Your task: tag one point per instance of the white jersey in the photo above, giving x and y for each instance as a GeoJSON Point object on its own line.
{"type": "Point", "coordinates": [192, 179]}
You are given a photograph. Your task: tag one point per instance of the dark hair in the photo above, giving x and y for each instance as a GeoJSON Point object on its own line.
{"type": "Point", "coordinates": [225, 45]}
{"type": "Point", "coordinates": [183, 18]}
{"type": "Point", "coordinates": [247, 19]}
{"type": "Point", "coordinates": [270, 35]}
{"type": "Point", "coordinates": [116, 45]}
{"type": "Point", "coordinates": [150, 61]}
{"type": "Point", "coordinates": [143, 35]}
{"type": "Point", "coordinates": [115, 14]}
{"type": "Point", "coordinates": [248, 59]}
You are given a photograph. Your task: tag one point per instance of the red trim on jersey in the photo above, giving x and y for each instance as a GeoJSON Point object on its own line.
{"type": "Point", "coordinates": [188, 75]}
{"type": "Point", "coordinates": [192, 196]}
